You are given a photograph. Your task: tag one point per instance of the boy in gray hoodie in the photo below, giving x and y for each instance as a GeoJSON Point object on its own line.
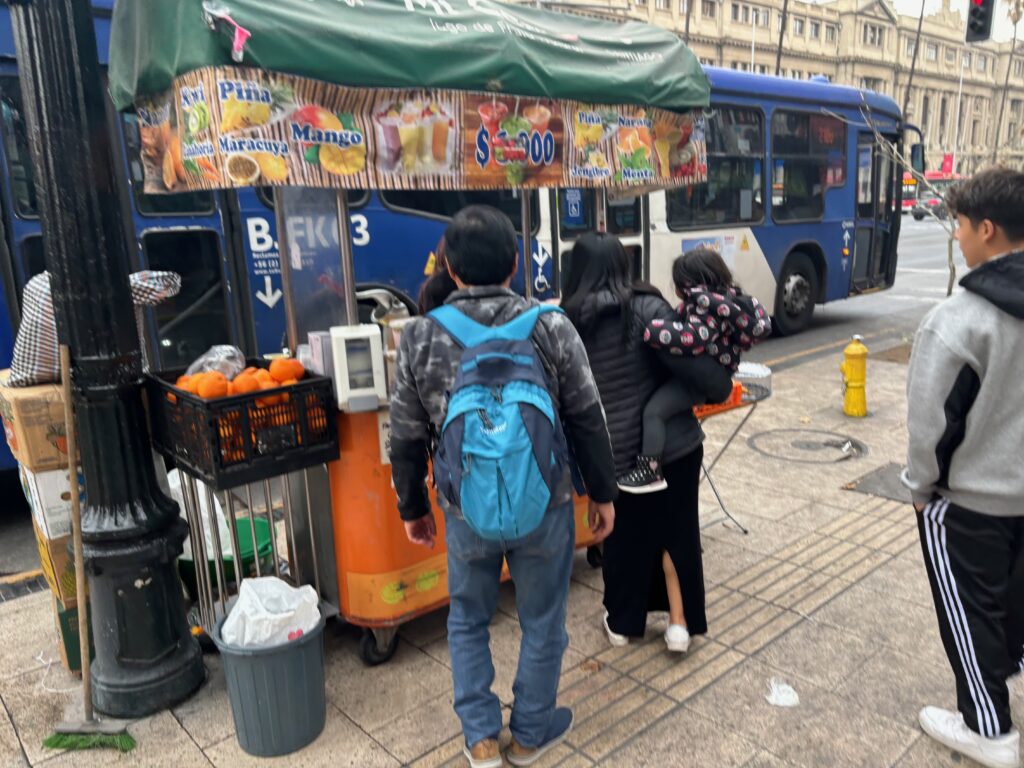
{"type": "Point", "coordinates": [965, 468]}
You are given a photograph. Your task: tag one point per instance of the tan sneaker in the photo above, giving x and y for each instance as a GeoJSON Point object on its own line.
{"type": "Point", "coordinates": [561, 724]}
{"type": "Point", "coordinates": [483, 754]}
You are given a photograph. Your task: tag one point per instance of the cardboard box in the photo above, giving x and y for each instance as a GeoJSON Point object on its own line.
{"type": "Point", "coordinates": [58, 568]}
{"type": "Point", "coordinates": [49, 496]}
{"type": "Point", "coordinates": [65, 620]}
{"type": "Point", "coordinates": [33, 419]}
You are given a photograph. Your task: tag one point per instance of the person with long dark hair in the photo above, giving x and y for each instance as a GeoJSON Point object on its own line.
{"type": "Point", "coordinates": [439, 286]}
{"type": "Point", "coordinates": [652, 560]}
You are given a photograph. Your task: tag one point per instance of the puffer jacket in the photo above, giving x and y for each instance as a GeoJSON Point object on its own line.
{"type": "Point", "coordinates": [627, 372]}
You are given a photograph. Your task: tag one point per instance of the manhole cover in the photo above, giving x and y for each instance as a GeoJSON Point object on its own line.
{"type": "Point", "coordinates": [807, 446]}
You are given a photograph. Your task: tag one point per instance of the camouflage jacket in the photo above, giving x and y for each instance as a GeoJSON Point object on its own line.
{"type": "Point", "coordinates": [427, 361]}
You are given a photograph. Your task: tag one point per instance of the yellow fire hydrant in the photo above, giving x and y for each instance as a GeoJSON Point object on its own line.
{"type": "Point", "coordinates": [855, 374]}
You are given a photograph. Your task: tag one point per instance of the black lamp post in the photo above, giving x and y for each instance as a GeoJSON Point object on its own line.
{"type": "Point", "coordinates": [146, 659]}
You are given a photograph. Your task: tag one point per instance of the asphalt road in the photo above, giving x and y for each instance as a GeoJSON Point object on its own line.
{"type": "Point", "coordinates": [885, 319]}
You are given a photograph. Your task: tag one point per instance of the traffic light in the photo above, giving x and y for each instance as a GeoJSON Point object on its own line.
{"type": "Point", "coordinates": [979, 20]}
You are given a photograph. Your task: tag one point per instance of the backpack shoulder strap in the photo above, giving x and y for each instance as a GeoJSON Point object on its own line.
{"type": "Point", "coordinates": [521, 327]}
{"type": "Point", "coordinates": [468, 333]}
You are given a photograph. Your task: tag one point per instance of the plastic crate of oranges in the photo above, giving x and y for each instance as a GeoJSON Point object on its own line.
{"type": "Point", "coordinates": [266, 421]}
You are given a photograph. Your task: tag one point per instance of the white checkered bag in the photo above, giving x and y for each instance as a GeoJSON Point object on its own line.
{"type": "Point", "coordinates": [36, 359]}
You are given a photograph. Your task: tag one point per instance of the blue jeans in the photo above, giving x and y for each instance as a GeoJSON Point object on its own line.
{"type": "Point", "coordinates": [540, 564]}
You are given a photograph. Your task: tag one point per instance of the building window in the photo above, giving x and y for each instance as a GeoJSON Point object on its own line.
{"type": "Point", "coordinates": [831, 33]}
{"type": "Point", "coordinates": [798, 26]}
{"type": "Point", "coordinates": [871, 84]}
{"type": "Point", "coordinates": [734, 193]}
{"type": "Point", "coordinates": [735, 11]}
{"type": "Point", "coordinates": [809, 156]}
{"type": "Point", "coordinates": [950, 55]}
{"type": "Point", "coordinates": [931, 52]}
{"type": "Point", "coordinates": [874, 36]}
{"type": "Point", "coordinates": [925, 109]}
{"type": "Point", "coordinates": [966, 60]}
{"type": "Point", "coordinates": [1015, 106]}
{"type": "Point", "coordinates": [815, 30]}
{"type": "Point", "coordinates": [762, 69]}
{"type": "Point", "coordinates": [1018, 69]}
{"type": "Point", "coordinates": [766, 18]}
{"type": "Point", "coordinates": [974, 132]}
{"type": "Point", "coordinates": [640, 2]}
{"type": "Point", "coordinates": [982, 65]}
{"type": "Point", "coordinates": [943, 118]}
{"type": "Point", "coordinates": [662, 5]}
{"type": "Point", "coordinates": [707, 8]}
{"type": "Point", "coordinates": [910, 48]}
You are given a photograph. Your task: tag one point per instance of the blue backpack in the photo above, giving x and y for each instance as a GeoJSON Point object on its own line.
{"type": "Point", "coordinates": [501, 450]}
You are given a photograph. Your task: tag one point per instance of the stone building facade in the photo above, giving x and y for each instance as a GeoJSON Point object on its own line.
{"type": "Point", "coordinates": [867, 44]}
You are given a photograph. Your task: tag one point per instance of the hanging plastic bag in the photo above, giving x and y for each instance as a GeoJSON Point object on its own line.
{"type": "Point", "coordinates": [223, 357]}
{"type": "Point", "coordinates": [174, 486]}
{"type": "Point", "coordinates": [270, 612]}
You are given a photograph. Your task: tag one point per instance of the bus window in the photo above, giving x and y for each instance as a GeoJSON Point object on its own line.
{"type": "Point", "coordinates": [34, 258]}
{"type": "Point", "coordinates": [195, 319]}
{"type": "Point", "coordinates": [447, 204]}
{"type": "Point", "coordinates": [193, 203]}
{"type": "Point", "coordinates": [624, 216]}
{"type": "Point", "coordinates": [19, 161]}
{"type": "Point", "coordinates": [575, 212]}
{"type": "Point", "coordinates": [809, 154]}
{"type": "Point", "coordinates": [734, 192]}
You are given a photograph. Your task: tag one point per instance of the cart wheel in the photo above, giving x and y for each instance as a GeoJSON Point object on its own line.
{"type": "Point", "coordinates": [378, 646]}
{"type": "Point", "coordinates": [595, 557]}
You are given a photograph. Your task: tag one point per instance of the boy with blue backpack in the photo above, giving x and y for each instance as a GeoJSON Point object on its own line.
{"type": "Point", "coordinates": [498, 392]}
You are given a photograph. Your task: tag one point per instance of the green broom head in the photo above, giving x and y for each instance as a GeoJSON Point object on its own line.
{"type": "Point", "coordinates": [123, 742]}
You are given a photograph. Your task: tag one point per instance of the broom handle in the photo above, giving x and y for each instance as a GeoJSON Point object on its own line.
{"type": "Point", "coordinates": [76, 530]}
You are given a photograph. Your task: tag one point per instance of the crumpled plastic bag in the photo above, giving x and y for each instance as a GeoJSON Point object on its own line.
{"type": "Point", "coordinates": [175, 492]}
{"type": "Point", "coordinates": [781, 694]}
{"type": "Point", "coordinates": [270, 612]}
{"type": "Point", "coordinates": [223, 357]}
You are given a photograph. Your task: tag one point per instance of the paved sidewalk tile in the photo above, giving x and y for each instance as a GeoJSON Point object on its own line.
{"type": "Point", "coordinates": [827, 592]}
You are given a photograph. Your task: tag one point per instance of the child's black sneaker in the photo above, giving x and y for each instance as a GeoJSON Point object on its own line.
{"type": "Point", "coordinates": [646, 477]}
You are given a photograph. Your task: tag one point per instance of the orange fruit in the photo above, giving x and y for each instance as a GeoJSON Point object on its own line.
{"type": "Point", "coordinates": [245, 383]}
{"type": "Point", "coordinates": [274, 400]}
{"type": "Point", "coordinates": [263, 375]}
{"type": "Point", "coordinates": [182, 382]}
{"type": "Point", "coordinates": [286, 369]}
{"type": "Point", "coordinates": [212, 384]}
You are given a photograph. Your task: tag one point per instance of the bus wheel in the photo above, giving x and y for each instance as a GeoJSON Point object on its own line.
{"type": "Point", "coordinates": [796, 294]}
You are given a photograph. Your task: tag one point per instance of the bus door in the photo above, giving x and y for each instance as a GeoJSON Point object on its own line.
{"type": "Point", "coordinates": [183, 233]}
{"type": "Point", "coordinates": [875, 230]}
{"type": "Point", "coordinates": [575, 212]}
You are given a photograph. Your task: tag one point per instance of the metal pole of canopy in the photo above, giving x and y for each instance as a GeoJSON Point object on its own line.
{"type": "Point", "coordinates": [284, 257]}
{"type": "Point", "coordinates": [527, 243]}
{"type": "Point", "coordinates": [348, 267]}
{"type": "Point", "coordinates": [601, 203]}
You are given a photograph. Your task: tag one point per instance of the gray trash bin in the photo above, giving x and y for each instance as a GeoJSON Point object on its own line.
{"type": "Point", "coordinates": [277, 694]}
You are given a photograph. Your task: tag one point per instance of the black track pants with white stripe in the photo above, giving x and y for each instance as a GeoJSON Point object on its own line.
{"type": "Point", "coordinates": [975, 565]}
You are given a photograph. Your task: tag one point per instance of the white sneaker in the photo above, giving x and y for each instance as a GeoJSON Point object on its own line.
{"type": "Point", "coordinates": [617, 640]}
{"type": "Point", "coordinates": [677, 638]}
{"type": "Point", "coordinates": [950, 729]}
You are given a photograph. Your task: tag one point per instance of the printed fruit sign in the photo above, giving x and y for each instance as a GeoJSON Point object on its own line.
{"type": "Point", "coordinates": [222, 127]}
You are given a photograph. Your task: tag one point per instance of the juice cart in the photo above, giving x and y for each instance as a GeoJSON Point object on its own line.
{"type": "Point", "coordinates": [316, 98]}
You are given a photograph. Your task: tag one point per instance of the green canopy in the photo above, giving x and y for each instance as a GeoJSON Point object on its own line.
{"type": "Point", "coordinates": [465, 45]}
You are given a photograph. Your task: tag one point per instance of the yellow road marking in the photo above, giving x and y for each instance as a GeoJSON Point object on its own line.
{"type": "Point", "coordinates": [17, 578]}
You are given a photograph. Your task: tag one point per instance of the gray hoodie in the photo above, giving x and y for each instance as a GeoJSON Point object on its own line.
{"type": "Point", "coordinates": [965, 390]}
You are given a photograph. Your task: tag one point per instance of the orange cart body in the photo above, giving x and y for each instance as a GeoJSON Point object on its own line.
{"type": "Point", "coordinates": [384, 579]}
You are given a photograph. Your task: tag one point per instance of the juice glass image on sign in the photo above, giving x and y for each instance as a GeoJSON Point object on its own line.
{"type": "Point", "coordinates": [512, 141]}
{"type": "Point", "coordinates": [415, 135]}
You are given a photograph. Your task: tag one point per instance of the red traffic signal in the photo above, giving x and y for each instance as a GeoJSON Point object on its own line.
{"type": "Point", "coordinates": [979, 20]}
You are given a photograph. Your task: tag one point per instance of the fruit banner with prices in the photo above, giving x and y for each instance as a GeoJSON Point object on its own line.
{"type": "Point", "coordinates": [229, 127]}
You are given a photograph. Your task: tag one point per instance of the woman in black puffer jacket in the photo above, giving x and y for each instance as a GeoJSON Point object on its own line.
{"type": "Point", "coordinates": [658, 534]}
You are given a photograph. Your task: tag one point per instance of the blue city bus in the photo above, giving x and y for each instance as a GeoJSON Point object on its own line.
{"type": "Point", "coordinates": [799, 201]}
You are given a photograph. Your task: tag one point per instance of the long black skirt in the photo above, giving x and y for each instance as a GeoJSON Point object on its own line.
{"type": "Point", "coordinates": [646, 526]}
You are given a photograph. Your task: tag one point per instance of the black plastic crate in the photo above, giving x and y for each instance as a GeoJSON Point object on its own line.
{"type": "Point", "coordinates": [231, 441]}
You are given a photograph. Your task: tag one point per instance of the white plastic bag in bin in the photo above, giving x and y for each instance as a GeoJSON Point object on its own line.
{"type": "Point", "coordinates": [270, 612]}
